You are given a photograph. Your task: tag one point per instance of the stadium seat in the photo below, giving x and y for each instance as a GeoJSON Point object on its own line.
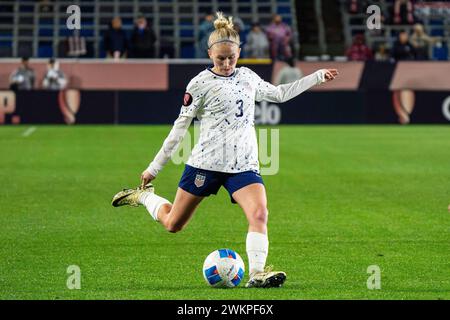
{"type": "Point", "coordinates": [188, 52]}
{"type": "Point", "coordinates": [26, 8]}
{"type": "Point", "coordinates": [284, 10]}
{"type": "Point", "coordinates": [186, 33]}
{"type": "Point", "coordinates": [87, 32]}
{"type": "Point", "coordinates": [5, 49]}
{"type": "Point", "coordinates": [45, 32]}
{"type": "Point", "coordinates": [25, 49]}
{"type": "Point", "coordinates": [45, 51]}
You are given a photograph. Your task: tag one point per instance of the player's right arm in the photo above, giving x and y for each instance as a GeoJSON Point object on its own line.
{"type": "Point", "coordinates": [192, 101]}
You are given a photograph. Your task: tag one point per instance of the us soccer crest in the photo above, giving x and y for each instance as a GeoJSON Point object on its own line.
{"type": "Point", "coordinates": [199, 180]}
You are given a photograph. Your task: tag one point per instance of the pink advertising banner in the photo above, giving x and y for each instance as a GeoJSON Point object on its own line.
{"type": "Point", "coordinates": [424, 76]}
{"type": "Point", "coordinates": [104, 75]}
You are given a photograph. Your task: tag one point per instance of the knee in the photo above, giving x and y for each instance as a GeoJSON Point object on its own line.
{"type": "Point", "coordinates": [174, 227]}
{"type": "Point", "coordinates": [260, 215]}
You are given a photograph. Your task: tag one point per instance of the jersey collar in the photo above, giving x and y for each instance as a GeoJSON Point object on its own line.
{"type": "Point", "coordinates": [219, 75]}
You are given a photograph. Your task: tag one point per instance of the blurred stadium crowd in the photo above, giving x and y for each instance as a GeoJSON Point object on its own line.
{"type": "Point", "coordinates": [276, 29]}
{"type": "Point", "coordinates": [286, 30]}
{"type": "Point", "coordinates": [142, 28]}
{"type": "Point", "coordinates": [411, 30]}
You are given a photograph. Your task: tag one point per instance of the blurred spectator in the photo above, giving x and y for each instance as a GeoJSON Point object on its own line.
{"type": "Point", "coordinates": [54, 78]}
{"type": "Point", "coordinates": [257, 45]}
{"type": "Point", "coordinates": [403, 12]}
{"type": "Point", "coordinates": [23, 78]}
{"type": "Point", "coordinates": [358, 6]}
{"type": "Point", "coordinates": [115, 40]}
{"type": "Point", "coordinates": [421, 42]}
{"type": "Point", "coordinates": [239, 26]}
{"type": "Point", "coordinates": [353, 6]}
{"type": "Point", "coordinates": [45, 6]}
{"type": "Point", "coordinates": [359, 51]}
{"type": "Point", "coordinates": [166, 49]}
{"type": "Point", "coordinates": [75, 45]}
{"type": "Point", "coordinates": [205, 29]}
{"type": "Point", "coordinates": [143, 39]}
{"type": "Point", "coordinates": [382, 53]}
{"type": "Point", "coordinates": [403, 50]}
{"type": "Point", "coordinates": [289, 73]}
{"type": "Point", "coordinates": [280, 36]}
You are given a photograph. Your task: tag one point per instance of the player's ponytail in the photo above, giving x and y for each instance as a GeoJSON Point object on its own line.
{"type": "Point", "coordinates": [224, 31]}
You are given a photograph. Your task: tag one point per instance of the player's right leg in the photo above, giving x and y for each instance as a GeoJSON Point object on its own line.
{"type": "Point", "coordinates": [195, 184]}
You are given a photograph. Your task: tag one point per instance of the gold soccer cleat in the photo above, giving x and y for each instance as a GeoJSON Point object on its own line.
{"type": "Point", "coordinates": [130, 197]}
{"type": "Point", "coordinates": [267, 279]}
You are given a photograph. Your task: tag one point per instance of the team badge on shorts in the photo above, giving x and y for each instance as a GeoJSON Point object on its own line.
{"type": "Point", "coordinates": [199, 180]}
{"type": "Point", "coordinates": [187, 99]}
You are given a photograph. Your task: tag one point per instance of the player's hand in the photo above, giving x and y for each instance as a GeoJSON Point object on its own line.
{"type": "Point", "coordinates": [330, 74]}
{"type": "Point", "coordinates": [146, 177]}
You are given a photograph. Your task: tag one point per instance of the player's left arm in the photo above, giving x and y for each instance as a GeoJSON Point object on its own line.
{"type": "Point", "coordinates": [282, 93]}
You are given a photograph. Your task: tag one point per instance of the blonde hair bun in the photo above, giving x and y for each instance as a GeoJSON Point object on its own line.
{"type": "Point", "coordinates": [223, 23]}
{"type": "Point", "coordinates": [224, 31]}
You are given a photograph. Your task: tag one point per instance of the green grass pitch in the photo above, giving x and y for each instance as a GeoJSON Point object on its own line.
{"type": "Point", "coordinates": [345, 198]}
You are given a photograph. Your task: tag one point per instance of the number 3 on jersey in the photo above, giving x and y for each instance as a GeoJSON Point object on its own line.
{"type": "Point", "coordinates": [241, 108]}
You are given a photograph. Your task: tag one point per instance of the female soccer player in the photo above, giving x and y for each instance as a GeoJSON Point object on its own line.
{"type": "Point", "coordinates": [223, 99]}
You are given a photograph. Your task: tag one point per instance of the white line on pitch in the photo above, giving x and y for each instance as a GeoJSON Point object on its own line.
{"type": "Point", "coordinates": [28, 132]}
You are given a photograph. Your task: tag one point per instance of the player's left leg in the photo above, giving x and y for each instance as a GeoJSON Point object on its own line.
{"type": "Point", "coordinates": [253, 201]}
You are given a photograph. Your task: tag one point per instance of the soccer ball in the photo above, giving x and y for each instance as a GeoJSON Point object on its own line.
{"type": "Point", "coordinates": [223, 268]}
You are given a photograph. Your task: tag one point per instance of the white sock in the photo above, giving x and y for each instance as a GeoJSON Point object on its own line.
{"type": "Point", "coordinates": [152, 202]}
{"type": "Point", "coordinates": [257, 250]}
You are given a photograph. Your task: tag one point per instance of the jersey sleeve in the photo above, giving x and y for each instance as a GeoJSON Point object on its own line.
{"type": "Point", "coordinates": [192, 100]}
{"type": "Point", "coordinates": [192, 103]}
{"type": "Point", "coordinates": [282, 93]}
{"type": "Point", "coordinates": [170, 145]}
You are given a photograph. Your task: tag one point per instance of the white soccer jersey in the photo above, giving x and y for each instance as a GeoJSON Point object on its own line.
{"type": "Point", "coordinates": [225, 107]}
